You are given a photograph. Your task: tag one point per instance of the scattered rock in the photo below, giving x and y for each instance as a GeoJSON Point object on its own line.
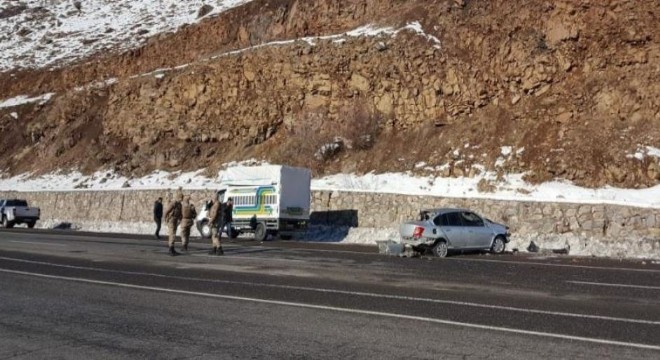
{"type": "Point", "coordinates": [204, 10]}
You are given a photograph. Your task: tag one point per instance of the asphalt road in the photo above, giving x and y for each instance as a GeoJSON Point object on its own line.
{"type": "Point", "coordinates": [84, 295]}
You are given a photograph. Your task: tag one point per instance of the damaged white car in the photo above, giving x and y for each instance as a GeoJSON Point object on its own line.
{"type": "Point", "coordinates": [441, 230]}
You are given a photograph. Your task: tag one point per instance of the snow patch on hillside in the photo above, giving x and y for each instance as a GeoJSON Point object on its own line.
{"type": "Point", "coordinates": [24, 99]}
{"type": "Point", "coordinates": [38, 33]}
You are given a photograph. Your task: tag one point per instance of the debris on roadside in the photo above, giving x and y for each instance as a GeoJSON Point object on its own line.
{"type": "Point", "coordinates": [533, 248]}
{"type": "Point", "coordinates": [390, 247]}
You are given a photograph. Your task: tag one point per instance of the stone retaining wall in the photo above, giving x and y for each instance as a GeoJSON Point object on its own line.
{"type": "Point", "coordinates": [370, 210]}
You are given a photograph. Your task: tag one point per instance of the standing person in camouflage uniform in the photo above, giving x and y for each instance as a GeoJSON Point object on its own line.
{"type": "Point", "coordinates": [173, 215]}
{"type": "Point", "coordinates": [188, 215]}
{"type": "Point", "coordinates": [215, 217]}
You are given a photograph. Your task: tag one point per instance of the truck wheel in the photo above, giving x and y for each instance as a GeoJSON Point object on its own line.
{"type": "Point", "coordinates": [204, 229]}
{"type": "Point", "coordinates": [234, 233]}
{"type": "Point", "coordinates": [260, 232]}
{"type": "Point", "coordinates": [31, 225]}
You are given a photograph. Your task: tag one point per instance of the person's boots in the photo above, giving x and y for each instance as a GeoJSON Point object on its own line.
{"type": "Point", "coordinates": [220, 251]}
{"type": "Point", "coordinates": [213, 251]}
{"type": "Point", "coordinates": [173, 252]}
{"type": "Point", "coordinates": [185, 247]}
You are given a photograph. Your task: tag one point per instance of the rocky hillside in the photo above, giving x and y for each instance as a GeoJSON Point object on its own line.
{"type": "Point", "coordinates": [554, 89]}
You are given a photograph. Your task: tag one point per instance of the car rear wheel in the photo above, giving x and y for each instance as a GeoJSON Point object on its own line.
{"type": "Point", "coordinates": [440, 249]}
{"type": "Point", "coordinates": [498, 245]}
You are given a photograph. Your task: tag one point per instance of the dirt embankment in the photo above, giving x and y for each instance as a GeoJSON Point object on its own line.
{"type": "Point", "coordinates": [559, 89]}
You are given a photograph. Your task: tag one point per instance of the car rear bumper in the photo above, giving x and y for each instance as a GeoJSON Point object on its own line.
{"type": "Point", "coordinates": [417, 242]}
{"type": "Point", "coordinates": [26, 219]}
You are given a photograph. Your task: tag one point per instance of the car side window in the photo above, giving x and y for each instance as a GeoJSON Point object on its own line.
{"type": "Point", "coordinates": [450, 219]}
{"type": "Point", "coordinates": [471, 219]}
{"type": "Point", "coordinates": [440, 220]}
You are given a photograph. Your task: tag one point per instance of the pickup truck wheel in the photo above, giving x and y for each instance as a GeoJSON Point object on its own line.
{"type": "Point", "coordinates": [440, 249]}
{"type": "Point", "coordinates": [260, 232]}
{"type": "Point", "coordinates": [31, 225]}
{"type": "Point", "coordinates": [498, 245]}
{"type": "Point", "coordinates": [6, 223]}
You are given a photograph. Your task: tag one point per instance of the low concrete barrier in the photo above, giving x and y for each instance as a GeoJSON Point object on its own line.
{"type": "Point", "coordinates": [582, 225]}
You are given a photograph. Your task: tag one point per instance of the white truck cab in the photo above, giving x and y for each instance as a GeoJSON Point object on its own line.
{"type": "Point", "coordinates": [268, 200]}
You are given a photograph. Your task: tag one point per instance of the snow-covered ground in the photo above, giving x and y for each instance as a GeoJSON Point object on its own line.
{"type": "Point", "coordinates": [54, 32]}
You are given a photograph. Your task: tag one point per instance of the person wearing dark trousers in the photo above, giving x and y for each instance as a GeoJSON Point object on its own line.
{"type": "Point", "coordinates": [227, 217]}
{"type": "Point", "coordinates": [158, 215]}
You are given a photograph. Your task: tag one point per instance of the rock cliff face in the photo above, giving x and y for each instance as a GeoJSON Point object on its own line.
{"type": "Point", "coordinates": [563, 89]}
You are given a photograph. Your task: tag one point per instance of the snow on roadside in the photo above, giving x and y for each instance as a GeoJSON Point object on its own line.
{"type": "Point", "coordinates": [512, 187]}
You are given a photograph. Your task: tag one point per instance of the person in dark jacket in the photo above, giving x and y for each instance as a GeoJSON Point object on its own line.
{"type": "Point", "coordinates": [158, 215]}
{"type": "Point", "coordinates": [227, 217]}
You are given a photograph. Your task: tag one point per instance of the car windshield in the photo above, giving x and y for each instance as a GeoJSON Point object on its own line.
{"type": "Point", "coordinates": [16, 203]}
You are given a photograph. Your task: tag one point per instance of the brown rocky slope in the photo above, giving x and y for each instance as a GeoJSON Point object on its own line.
{"type": "Point", "coordinates": [571, 86]}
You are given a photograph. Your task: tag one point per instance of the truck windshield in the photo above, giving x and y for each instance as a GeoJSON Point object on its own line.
{"type": "Point", "coordinates": [16, 203]}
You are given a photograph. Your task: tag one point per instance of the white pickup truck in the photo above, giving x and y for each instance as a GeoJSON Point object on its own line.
{"type": "Point", "coordinates": [14, 211]}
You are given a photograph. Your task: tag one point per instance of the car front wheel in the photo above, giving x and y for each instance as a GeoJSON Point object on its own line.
{"type": "Point", "coordinates": [498, 245]}
{"type": "Point", "coordinates": [440, 249]}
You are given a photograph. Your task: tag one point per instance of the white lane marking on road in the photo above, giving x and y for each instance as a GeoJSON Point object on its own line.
{"type": "Point", "coordinates": [36, 243]}
{"type": "Point", "coordinates": [616, 285]}
{"type": "Point", "coordinates": [557, 265]}
{"type": "Point", "coordinates": [346, 292]}
{"type": "Point", "coordinates": [344, 310]}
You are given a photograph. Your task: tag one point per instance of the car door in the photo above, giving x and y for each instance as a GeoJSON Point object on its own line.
{"type": "Point", "coordinates": [478, 234]}
{"type": "Point", "coordinates": [453, 229]}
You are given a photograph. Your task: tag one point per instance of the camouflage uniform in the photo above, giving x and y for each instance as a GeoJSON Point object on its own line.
{"type": "Point", "coordinates": [188, 215]}
{"type": "Point", "coordinates": [173, 215]}
{"type": "Point", "coordinates": [214, 223]}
